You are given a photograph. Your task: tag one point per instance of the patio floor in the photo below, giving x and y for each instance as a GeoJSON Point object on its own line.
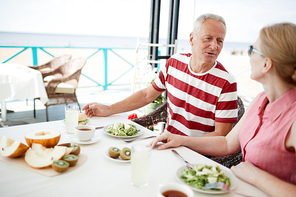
{"type": "Point", "coordinates": [21, 111]}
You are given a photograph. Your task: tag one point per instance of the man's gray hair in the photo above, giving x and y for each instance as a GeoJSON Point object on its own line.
{"type": "Point", "coordinates": [199, 21]}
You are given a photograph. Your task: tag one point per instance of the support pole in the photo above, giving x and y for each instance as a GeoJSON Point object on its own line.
{"type": "Point", "coordinates": [34, 56]}
{"type": "Point", "coordinates": [105, 52]}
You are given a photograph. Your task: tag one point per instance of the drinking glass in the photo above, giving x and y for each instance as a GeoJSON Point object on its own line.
{"type": "Point", "coordinates": [71, 118]}
{"type": "Point", "coordinates": [140, 164]}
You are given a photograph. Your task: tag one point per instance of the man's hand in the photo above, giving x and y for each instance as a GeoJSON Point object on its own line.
{"type": "Point", "coordinates": [96, 109]}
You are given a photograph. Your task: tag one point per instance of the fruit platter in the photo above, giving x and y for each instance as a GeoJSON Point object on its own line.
{"type": "Point", "coordinates": [43, 153]}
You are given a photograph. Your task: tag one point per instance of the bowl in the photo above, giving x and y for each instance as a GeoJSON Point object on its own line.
{"type": "Point", "coordinates": [174, 187]}
{"type": "Point", "coordinates": [84, 132]}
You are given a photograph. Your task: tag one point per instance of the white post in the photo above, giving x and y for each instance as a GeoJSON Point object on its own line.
{"type": "Point", "coordinates": [3, 110]}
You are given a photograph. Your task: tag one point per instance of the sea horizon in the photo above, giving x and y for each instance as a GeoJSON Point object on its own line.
{"type": "Point", "coordinates": [19, 39]}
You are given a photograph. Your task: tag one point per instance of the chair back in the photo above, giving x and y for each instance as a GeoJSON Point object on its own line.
{"type": "Point", "coordinates": [58, 61]}
{"type": "Point", "coordinates": [72, 66]}
{"type": "Point", "coordinates": [71, 71]}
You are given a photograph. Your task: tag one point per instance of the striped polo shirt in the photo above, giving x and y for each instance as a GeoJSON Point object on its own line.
{"type": "Point", "coordinates": [196, 101]}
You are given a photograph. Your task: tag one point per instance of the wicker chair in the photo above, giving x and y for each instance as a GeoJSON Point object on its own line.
{"type": "Point", "coordinates": [50, 67]}
{"type": "Point", "coordinates": [61, 88]}
{"type": "Point", "coordinates": [160, 115]}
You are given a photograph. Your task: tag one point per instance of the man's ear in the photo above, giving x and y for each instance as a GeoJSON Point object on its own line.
{"type": "Point", "coordinates": [268, 64]}
{"type": "Point", "coordinates": [191, 39]}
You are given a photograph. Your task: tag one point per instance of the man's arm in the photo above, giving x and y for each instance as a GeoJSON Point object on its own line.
{"type": "Point", "coordinates": [135, 101]}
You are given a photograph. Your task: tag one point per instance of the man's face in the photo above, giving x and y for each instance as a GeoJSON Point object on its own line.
{"type": "Point", "coordinates": [208, 42]}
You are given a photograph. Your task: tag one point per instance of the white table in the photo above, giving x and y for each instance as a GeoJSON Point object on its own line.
{"type": "Point", "coordinates": [99, 176]}
{"type": "Point", "coordinates": [19, 82]}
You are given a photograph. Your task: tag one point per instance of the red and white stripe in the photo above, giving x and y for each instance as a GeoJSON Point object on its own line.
{"type": "Point", "coordinates": [196, 101]}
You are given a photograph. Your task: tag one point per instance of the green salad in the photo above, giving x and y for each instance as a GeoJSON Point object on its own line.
{"type": "Point", "coordinates": [203, 174]}
{"type": "Point", "coordinates": [122, 129]}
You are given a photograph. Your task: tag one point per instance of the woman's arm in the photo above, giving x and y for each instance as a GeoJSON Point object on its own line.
{"type": "Point", "coordinates": [266, 182]}
{"type": "Point", "coordinates": [214, 146]}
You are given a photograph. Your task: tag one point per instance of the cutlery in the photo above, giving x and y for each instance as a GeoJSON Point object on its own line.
{"type": "Point", "coordinates": [220, 185]}
{"type": "Point", "coordinates": [189, 165]}
{"type": "Point", "coordinates": [99, 127]}
{"type": "Point", "coordinates": [130, 141]}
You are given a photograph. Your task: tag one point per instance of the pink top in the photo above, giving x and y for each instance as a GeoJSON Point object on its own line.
{"type": "Point", "coordinates": [264, 132]}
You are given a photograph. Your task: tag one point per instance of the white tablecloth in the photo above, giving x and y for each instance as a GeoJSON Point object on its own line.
{"type": "Point", "coordinates": [20, 82]}
{"type": "Point", "coordinates": [99, 176]}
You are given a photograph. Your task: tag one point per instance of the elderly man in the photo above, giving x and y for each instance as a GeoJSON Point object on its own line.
{"type": "Point", "coordinates": [202, 98]}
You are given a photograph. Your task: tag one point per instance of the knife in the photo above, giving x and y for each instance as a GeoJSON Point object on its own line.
{"type": "Point", "coordinates": [189, 165]}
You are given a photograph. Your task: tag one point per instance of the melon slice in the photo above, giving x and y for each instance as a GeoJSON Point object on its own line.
{"type": "Point", "coordinates": [49, 138]}
{"type": "Point", "coordinates": [12, 148]}
{"type": "Point", "coordinates": [40, 157]}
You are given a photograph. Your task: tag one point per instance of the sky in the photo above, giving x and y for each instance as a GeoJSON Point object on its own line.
{"type": "Point", "coordinates": [130, 18]}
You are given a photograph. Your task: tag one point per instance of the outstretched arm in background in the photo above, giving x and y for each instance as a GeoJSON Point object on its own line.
{"type": "Point", "coordinates": [135, 101]}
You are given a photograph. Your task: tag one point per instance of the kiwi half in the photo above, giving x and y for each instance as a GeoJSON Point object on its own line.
{"type": "Point", "coordinates": [76, 149]}
{"type": "Point", "coordinates": [60, 165]}
{"type": "Point", "coordinates": [71, 159]}
{"type": "Point", "coordinates": [65, 144]}
{"type": "Point", "coordinates": [125, 153]}
{"type": "Point", "coordinates": [114, 152]}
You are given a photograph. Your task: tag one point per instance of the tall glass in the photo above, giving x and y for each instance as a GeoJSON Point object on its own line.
{"type": "Point", "coordinates": [71, 118]}
{"type": "Point", "coordinates": [140, 163]}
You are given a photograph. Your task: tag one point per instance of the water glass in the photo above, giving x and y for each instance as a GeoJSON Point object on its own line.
{"type": "Point", "coordinates": [140, 164]}
{"type": "Point", "coordinates": [71, 118]}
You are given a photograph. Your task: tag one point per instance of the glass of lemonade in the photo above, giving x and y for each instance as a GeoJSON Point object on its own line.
{"type": "Point", "coordinates": [71, 118]}
{"type": "Point", "coordinates": [140, 164]}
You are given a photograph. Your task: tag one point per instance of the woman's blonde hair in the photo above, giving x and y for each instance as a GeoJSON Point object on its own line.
{"type": "Point", "coordinates": [278, 42]}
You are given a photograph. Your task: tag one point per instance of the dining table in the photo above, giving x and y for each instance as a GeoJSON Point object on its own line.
{"type": "Point", "coordinates": [19, 82]}
{"type": "Point", "coordinates": [98, 174]}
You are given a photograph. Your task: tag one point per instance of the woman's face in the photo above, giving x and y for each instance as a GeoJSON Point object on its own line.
{"type": "Point", "coordinates": [257, 62]}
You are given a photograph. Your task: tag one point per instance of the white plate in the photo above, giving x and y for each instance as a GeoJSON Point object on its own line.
{"type": "Point", "coordinates": [227, 172]}
{"type": "Point", "coordinates": [123, 137]}
{"type": "Point", "coordinates": [93, 140]}
{"type": "Point", "coordinates": [117, 159]}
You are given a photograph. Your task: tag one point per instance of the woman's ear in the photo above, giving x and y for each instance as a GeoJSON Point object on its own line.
{"type": "Point", "coordinates": [268, 64]}
{"type": "Point", "coordinates": [191, 39]}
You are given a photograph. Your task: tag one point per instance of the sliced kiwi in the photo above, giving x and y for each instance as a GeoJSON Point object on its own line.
{"type": "Point", "coordinates": [76, 149]}
{"type": "Point", "coordinates": [114, 152]}
{"type": "Point", "coordinates": [60, 165]}
{"type": "Point", "coordinates": [65, 144]}
{"type": "Point", "coordinates": [125, 153]}
{"type": "Point", "coordinates": [71, 159]}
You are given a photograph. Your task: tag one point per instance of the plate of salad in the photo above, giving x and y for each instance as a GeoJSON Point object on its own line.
{"type": "Point", "coordinates": [123, 130]}
{"type": "Point", "coordinates": [202, 174]}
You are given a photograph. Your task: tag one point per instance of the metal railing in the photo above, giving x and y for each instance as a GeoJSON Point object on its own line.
{"type": "Point", "coordinates": [105, 51]}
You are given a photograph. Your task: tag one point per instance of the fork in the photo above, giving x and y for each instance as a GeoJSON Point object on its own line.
{"type": "Point", "coordinates": [223, 186]}
{"type": "Point", "coordinates": [130, 141]}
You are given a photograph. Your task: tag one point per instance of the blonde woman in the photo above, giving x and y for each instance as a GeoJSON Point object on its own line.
{"type": "Point", "coordinates": [266, 134]}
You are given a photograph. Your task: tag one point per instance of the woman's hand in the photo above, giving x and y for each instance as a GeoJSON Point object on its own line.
{"type": "Point", "coordinates": [266, 182]}
{"type": "Point", "coordinates": [96, 109]}
{"type": "Point", "coordinates": [246, 171]}
{"type": "Point", "coordinates": [169, 140]}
